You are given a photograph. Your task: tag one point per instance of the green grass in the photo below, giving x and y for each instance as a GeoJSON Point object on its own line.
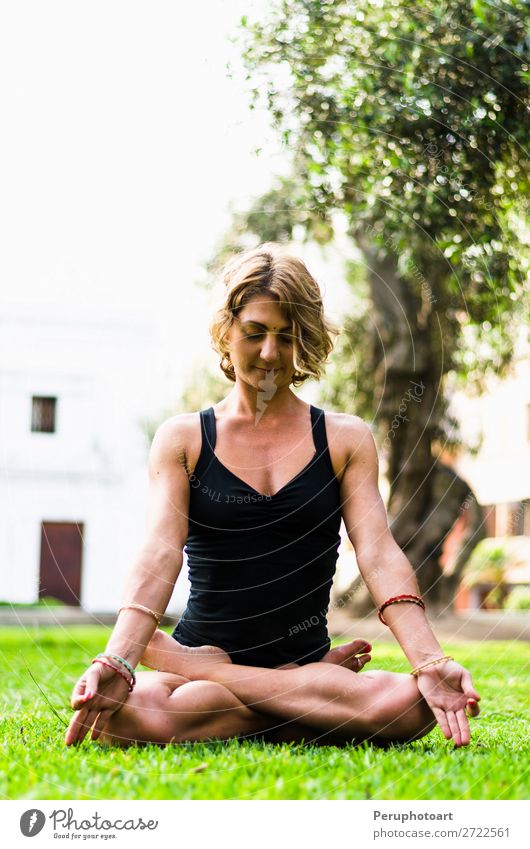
{"type": "Point", "coordinates": [35, 764]}
{"type": "Point", "coordinates": [45, 601]}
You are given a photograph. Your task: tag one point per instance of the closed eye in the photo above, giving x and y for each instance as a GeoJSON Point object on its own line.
{"type": "Point", "coordinates": [283, 337]}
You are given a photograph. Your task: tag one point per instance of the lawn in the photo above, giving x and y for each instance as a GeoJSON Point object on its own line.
{"type": "Point", "coordinates": [35, 764]}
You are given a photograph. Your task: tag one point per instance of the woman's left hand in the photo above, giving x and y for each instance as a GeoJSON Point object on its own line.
{"type": "Point", "coordinates": [448, 690]}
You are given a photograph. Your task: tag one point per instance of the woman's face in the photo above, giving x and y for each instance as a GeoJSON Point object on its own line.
{"type": "Point", "coordinates": [260, 342]}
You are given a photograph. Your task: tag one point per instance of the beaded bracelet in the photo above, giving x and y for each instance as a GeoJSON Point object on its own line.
{"type": "Point", "coordinates": [120, 673]}
{"type": "Point", "coordinates": [431, 663]}
{"type": "Point", "coordinates": [397, 600]}
{"type": "Point", "coordinates": [120, 660]}
{"type": "Point", "coordinates": [141, 607]}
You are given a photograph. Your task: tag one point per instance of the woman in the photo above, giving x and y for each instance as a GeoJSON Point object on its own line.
{"type": "Point", "coordinates": [256, 487]}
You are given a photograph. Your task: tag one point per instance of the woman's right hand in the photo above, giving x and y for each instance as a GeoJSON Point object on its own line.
{"type": "Point", "coordinates": [101, 691]}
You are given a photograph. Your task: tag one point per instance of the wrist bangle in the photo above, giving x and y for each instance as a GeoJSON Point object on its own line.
{"type": "Point", "coordinates": [121, 660]}
{"type": "Point", "coordinates": [142, 608]}
{"type": "Point", "coordinates": [118, 672]}
{"type": "Point", "coordinates": [431, 663]}
{"type": "Point", "coordinates": [397, 599]}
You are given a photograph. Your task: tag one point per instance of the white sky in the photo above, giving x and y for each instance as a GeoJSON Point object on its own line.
{"type": "Point", "coordinates": [123, 145]}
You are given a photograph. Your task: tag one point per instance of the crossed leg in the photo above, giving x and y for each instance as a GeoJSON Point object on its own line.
{"type": "Point", "coordinates": [320, 702]}
{"type": "Point", "coordinates": [166, 708]}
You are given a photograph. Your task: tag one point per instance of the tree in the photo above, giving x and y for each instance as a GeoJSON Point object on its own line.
{"type": "Point", "coordinates": [410, 122]}
{"type": "Point", "coordinates": [203, 389]}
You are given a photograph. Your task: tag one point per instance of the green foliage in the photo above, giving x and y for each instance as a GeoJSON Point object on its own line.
{"type": "Point", "coordinates": [412, 119]}
{"type": "Point", "coordinates": [35, 764]}
{"type": "Point", "coordinates": [519, 599]}
{"type": "Point", "coordinates": [203, 389]}
{"type": "Point", "coordinates": [486, 565]}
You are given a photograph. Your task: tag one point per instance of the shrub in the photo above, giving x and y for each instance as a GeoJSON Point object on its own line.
{"type": "Point", "coordinates": [519, 599]}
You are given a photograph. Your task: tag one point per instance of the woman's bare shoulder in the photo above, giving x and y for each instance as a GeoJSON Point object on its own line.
{"type": "Point", "coordinates": [179, 436]}
{"type": "Point", "coordinates": [346, 434]}
{"type": "Point", "coordinates": [346, 425]}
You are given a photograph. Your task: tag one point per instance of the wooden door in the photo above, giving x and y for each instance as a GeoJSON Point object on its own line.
{"type": "Point", "coordinates": [61, 550]}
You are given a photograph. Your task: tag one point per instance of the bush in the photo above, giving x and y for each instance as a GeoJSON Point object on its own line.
{"type": "Point", "coordinates": [486, 564]}
{"type": "Point", "coordinates": [519, 599]}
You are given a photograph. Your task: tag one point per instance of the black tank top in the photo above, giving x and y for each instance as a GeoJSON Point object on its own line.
{"type": "Point", "coordinates": [261, 566]}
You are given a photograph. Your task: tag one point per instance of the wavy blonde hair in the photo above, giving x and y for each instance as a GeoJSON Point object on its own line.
{"type": "Point", "coordinates": [268, 270]}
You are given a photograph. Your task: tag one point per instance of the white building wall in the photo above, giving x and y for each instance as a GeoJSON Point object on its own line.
{"type": "Point", "coordinates": [94, 468]}
{"type": "Point", "coordinates": [500, 472]}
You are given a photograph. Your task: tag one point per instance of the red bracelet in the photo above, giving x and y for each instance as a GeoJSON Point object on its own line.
{"type": "Point", "coordinates": [120, 673]}
{"type": "Point", "coordinates": [396, 600]}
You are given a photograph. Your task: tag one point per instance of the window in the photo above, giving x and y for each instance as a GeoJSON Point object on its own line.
{"type": "Point", "coordinates": [43, 414]}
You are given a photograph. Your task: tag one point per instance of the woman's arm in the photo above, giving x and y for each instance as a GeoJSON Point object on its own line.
{"type": "Point", "coordinates": [100, 691]}
{"type": "Point", "coordinates": [157, 567]}
{"type": "Point", "coordinates": [447, 687]}
{"type": "Point", "coordinates": [385, 569]}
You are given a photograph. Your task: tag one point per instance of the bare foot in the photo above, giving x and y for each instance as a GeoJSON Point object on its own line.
{"type": "Point", "coordinates": [351, 655]}
{"type": "Point", "coordinates": [165, 654]}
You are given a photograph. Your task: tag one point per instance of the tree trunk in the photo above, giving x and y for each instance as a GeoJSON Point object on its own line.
{"type": "Point", "coordinates": [452, 498]}
{"type": "Point", "coordinates": [426, 496]}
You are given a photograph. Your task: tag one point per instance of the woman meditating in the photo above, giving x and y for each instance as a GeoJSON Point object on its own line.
{"type": "Point", "coordinates": [255, 487]}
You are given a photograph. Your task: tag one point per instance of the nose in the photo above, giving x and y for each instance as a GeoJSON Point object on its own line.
{"type": "Point", "coordinates": [269, 350]}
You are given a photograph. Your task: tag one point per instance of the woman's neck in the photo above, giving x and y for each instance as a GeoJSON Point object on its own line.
{"type": "Point", "coordinates": [244, 402]}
